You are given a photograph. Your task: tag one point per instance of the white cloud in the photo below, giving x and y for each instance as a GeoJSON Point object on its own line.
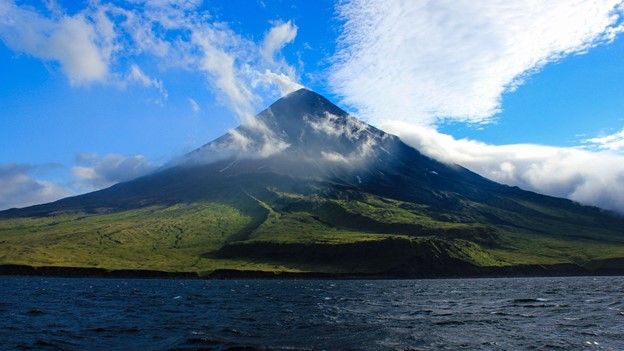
{"type": "Point", "coordinates": [19, 188]}
{"type": "Point", "coordinates": [336, 126]}
{"type": "Point", "coordinates": [285, 84]}
{"type": "Point", "coordinates": [224, 72]}
{"type": "Point", "coordinates": [194, 105]}
{"type": "Point", "coordinates": [422, 61]}
{"type": "Point", "coordinates": [278, 72]}
{"type": "Point", "coordinates": [81, 44]}
{"type": "Point", "coordinates": [271, 146]}
{"type": "Point", "coordinates": [333, 156]}
{"type": "Point", "coordinates": [276, 38]}
{"type": "Point", "coordinates": [237, 67]}
{"type": "Point", "coordinates": [260, 145]}
{"type": "Point", "coordinates": [355, 158]}
{"type": "Point", "coordinates": [93, 172]}
{"type": "Point", "coordinates": [592, 178]}
{"type": "Point", "coordinates": [612, 142]}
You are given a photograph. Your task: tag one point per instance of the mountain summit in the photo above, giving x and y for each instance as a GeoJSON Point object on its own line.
{"type": "Point", "coordinates": [306, 187]}
{"type": "Point", "coordinates": [302, 133]}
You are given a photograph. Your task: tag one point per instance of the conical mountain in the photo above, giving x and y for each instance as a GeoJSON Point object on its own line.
{"type": "Point", "coordinates": [305, 186]}
{"type": "Point", "coordinates": [302, 137]}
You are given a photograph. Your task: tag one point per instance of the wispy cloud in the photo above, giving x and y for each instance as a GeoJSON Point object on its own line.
{"type": "Point", "coordinates": [194, 105]}
{"type": "Point", "coordinates": [423, 61]}
{"type": "Point", "coordinates": [278, 72]}
{"type": "Point", "coordinates": [276, 38]}
{"type": "Point", "coordinates": [611, 142]}
{"type": "Point", "coordinates": [284, 83]}
{"type": "Point", "coordinates": [347, 127]}
{"type": "Point", "coordinates": [337, 126]}
{"type": "Point", "coordinates": [136, 75]}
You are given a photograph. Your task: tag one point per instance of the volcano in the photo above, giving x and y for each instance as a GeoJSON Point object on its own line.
{"type": "Point", "coordinates": [306, 188]}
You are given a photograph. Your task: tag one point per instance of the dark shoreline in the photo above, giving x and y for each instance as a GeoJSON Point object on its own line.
{"type": "Point", "coordinates": [559, 270]}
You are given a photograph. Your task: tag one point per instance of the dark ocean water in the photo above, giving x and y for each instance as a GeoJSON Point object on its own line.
{"type": "Point", "coordinates": [152, 314]}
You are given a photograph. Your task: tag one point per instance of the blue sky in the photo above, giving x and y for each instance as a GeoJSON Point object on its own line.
{"type": "Point", "coordinates": [89, 98]}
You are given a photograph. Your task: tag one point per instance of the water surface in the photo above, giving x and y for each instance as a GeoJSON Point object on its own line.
{"type": "Point", "coordinates": [448, 314]}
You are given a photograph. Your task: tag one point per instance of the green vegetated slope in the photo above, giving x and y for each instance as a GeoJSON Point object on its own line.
{"type": "Point", "coordinates": [347, 232]}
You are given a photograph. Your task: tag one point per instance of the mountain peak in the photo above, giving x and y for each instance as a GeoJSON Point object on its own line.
{"type": "Point", "coordinates": [299, 104]}
{"type": "Point", "coordinates": [301, 128]}
{"type": "Point", "coordinates": [303, 94]}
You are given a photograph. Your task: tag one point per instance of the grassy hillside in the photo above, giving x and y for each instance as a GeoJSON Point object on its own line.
{"type": "Point", "coordinates": [348, 232]}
